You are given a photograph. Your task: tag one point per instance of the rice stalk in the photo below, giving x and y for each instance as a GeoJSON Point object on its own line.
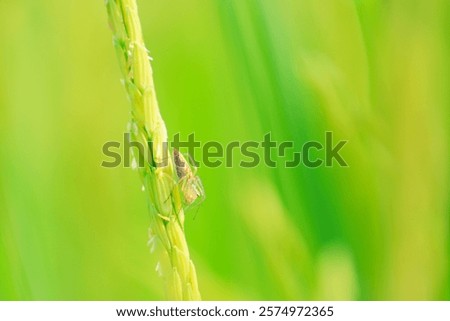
{"type": "Point", "coordinates": [159, 173]}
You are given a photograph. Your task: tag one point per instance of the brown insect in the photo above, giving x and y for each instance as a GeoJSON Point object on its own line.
{"type": "Point", "coordinates": [190, 184]}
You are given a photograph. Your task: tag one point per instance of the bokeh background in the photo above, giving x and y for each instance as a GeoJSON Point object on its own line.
{"type": "Point", "coordinates": [376, 73]}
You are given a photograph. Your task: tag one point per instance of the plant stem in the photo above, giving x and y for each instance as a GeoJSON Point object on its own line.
{"type": "Point", "coordinates": [147, 127]}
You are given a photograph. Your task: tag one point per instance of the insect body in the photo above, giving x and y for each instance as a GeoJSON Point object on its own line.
{"type": "Point", "coordinates": [190, 184]}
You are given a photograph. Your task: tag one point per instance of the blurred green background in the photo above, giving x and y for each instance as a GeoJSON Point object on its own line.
{"type": "Point", "coordinates": [376, 73]}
